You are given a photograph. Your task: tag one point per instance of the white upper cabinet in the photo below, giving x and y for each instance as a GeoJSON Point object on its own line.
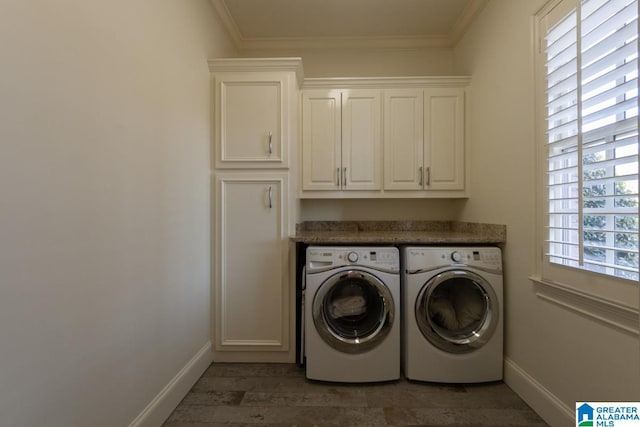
{"type": "Point", "coordinates": [424, 139]}
{"type": "Point", "coordinates": [321, 140]}
{"type": "Point", "coordinates": [403, 140]}
{"type": "Point", "coordinates": [254, 110]}
{"type": "Point", "coordinates": [444, 139]}
{"type": "Point", "coordinates": [341, 144]}
{"type": "Point", "coordinates": [384, 137]}
{"type": "Point", "coordinates": [251, 120]}
{"type": "Point", "coordinates": [361, 140]}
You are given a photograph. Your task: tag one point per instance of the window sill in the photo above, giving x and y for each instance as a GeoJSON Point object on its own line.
{"type": "Point", "coordinates": [621, 317]}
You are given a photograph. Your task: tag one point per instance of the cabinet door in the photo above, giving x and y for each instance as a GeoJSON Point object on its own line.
{"type": "Point", "coordinates": [444, 139]}
{"type": "Point", "coordinates": [251, 298]}
{"type": "Point", "coordinates": [361, 146]}
{"type": "Point", "coordinates": [403, 139]}
{"type": "Point", "coordinates": [251, 117]}
{"type": "Point", "coordinates": [321, 134]}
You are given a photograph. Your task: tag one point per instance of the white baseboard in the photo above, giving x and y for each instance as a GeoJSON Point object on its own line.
{"type": "Point", "coordinates": [546, 404]}
{"type": "Point", "coordinates": [159, 409]}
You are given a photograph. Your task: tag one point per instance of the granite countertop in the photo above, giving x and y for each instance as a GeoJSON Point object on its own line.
{"type": "Point", "coordinates": [399, 232]}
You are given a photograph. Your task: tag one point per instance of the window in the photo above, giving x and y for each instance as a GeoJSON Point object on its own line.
{"type": "Point", "coordinates": [589, 51]}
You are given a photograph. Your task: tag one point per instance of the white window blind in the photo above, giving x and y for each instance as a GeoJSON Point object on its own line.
{"type": "Point", "coordinates": [591, 58]}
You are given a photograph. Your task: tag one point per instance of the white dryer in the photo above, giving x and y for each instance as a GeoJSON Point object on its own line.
{"type": "Point", "coordinates": [352, 314]}
{"type": "Point", "coordinates": [452, 314]}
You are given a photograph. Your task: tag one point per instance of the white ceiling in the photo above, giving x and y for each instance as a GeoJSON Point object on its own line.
{"type": "Point", "coordinates": [262, 24]}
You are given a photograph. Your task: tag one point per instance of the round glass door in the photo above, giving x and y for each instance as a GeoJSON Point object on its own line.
{"type": "Point", "coordinates": [353, 311]}
{"type": "Point", "coordinates": [457, 311]}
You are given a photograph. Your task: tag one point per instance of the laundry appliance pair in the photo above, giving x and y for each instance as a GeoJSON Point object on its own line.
{"type": "Point", "coordinates": [434, 311]}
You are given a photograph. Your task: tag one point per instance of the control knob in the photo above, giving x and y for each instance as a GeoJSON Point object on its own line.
{"type": "Point", "coordinates": [352, 256]}
{"type": "Point", "coordinates": [456, 256]}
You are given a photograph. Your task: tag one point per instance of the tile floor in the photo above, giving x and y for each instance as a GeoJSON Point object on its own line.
{"type": "Point", "coordinates": [280, 395]}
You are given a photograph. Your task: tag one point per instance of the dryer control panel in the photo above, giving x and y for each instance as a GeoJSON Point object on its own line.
{"type": "Point", "coordinates": [320, 258]}
{"type": "Point", "coordinates": [417, 258]}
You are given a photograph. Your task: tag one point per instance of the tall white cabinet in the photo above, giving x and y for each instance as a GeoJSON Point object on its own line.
{"type": "Point", "coordinates": [255, 135]}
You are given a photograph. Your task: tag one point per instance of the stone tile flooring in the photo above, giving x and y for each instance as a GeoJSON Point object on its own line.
{"type": "Point", "coordinates": [280, 395]}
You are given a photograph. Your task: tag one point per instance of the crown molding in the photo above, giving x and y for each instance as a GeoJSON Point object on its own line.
{"type": "Point", "coordinates": [469, 13]}
{"type": "Point", "coordinates": [258, 64]}
{"type": "Point", "coordinates": [229, 23]}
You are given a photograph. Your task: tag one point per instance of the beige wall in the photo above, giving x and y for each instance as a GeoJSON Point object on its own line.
{"type": "Point", "coordinates": [381, 210]}
{"type": "Point", "coordinates": [367, 62]}
{"type": "Point", "coordinates": [104, 206]}
{"type": "Point", "coordinates": [549, 349]}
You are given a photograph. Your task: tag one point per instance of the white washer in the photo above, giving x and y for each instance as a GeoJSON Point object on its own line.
{"type": "Point", "coordinates": [352, 314]}
{"type": "Point", "coordinates": [452, 314]}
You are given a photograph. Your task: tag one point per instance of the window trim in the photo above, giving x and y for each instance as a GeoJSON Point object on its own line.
{"type": "Point", "coordinates": [604, 298]}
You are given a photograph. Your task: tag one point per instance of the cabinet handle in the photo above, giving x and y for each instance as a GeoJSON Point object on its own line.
{"type": "Point", "coordinates": [344, 177]}
{"type": "Point", "coordinates": [428, 181]}
{"type": "Point", "coordinates": [338, 177]}
{"type": "Point", "coordinates": [270, 143]}
{"type": "Point", "coordinates": [269, 197]}
{"type": "Point", "coordinates": [420, 173]}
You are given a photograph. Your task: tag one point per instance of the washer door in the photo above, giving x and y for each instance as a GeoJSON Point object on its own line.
{"type": "Point", "coordinates": [353, 311]}
{"type": "Point", "coordinates": [457, 311]}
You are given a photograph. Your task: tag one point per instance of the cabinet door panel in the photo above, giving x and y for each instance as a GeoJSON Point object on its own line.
{"type": "Point", "coordinates": [444, 138]}
{"type": "Point", "coordinates": [403, 140]}
{"type": "Point", "coordinates": [251, 296]}
{"type": "Point", "coordinates": [361, 146]}
{"type": "Point", "coordinates": [250, 124]}
{"type": "Point", "coordinates": [321, 129]}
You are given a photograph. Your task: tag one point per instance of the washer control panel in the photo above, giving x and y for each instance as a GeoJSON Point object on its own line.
{"type": "Point", "coordinates": [422, 257]}
{"type": "Point", "coordinates": [320, 258]}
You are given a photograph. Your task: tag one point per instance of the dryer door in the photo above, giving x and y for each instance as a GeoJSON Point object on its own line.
{"type": "Point", "coordinates": [457, 311]}
{"type": "Point", "coordinates": [353, 311]}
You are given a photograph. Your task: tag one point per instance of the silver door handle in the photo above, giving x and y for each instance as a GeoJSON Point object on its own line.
{"type": "Point", "coordinates": [420, 178]}
{"type": "Point", "coordinates": [344, 177]}
{"type": "Point", "coordinates": [270, 143]}
{"type": "Point", "coordinates": [338, 177]}
{"type": "Point", "coordinates": [269, 198]}
{"type": "Point", "coordinates": [428, 181]}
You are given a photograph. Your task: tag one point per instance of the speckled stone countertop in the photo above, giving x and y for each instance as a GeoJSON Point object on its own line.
{"type": "Point", "coordinates": [399, 232]}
